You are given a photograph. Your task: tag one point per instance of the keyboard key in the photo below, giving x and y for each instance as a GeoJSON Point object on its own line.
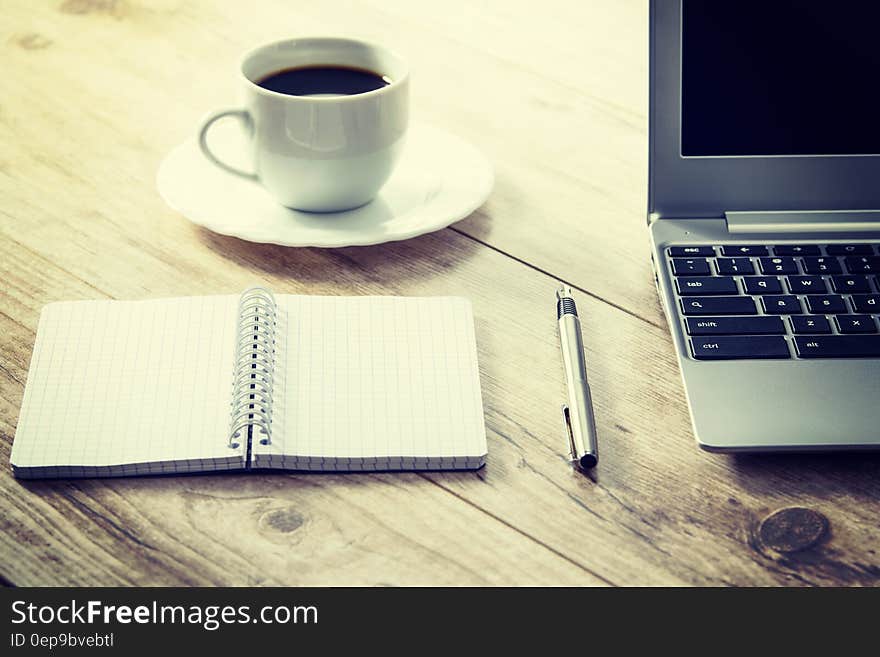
{"type": "Point", "coordinates": [690, 267]}
{"type": "Point", "coordinates": [838, 346]}
{"type": "Point", "coordinates": [733, 347]}
{"type": "Point", "coordinates": [849, 249]}
{"type": "Point", "coordinates": [691, 251]}
{"type": "Point", "coordinates": [826, 304]}
{"type": "Point", "coordinates": [806, 285]}
{"type": "Point", "coordinates": [808, 324]}
{"type": "Point", "coordinates": [876, 282]}
{"type": "Point", "coordinates": [866, 303]}
{"type": "Point", "coordinates": [758, 325]}
{"type": "Point", "coordinates": [734, 250]}
{"type": "Point", "coordinates": [862, 264]}
{"type": "Point", "coordinates": [778, 265]}
{"type": "Point", "coordinates": [822, 266]}
{"type": "Point", "coordinates": [850, 284]}
{"type": "Point", "coordinates": [728, 266]}
{"type": "Point", "coordinates": [782, 305]}
{"type": "Point", "coordinates": [762, 285]}
{"type": "Point", "coordinates": [855, 324]}
{"type": "Point", "coordinates": [718, 306]}
{"type": "Point", "coordinates": [697, 285]}
{"type": "Point", "coordinates": [796, 250]}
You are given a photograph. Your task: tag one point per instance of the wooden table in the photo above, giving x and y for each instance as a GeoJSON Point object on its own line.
{"type": "Point", "coordinates": [93, 93]}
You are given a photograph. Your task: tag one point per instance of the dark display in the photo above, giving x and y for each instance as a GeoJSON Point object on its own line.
{"type": "Point", "coordinates": [780, 77]}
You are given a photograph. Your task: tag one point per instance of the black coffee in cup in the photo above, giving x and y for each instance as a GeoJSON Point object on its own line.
{"type": "Point", "coordinates": [323, 80]}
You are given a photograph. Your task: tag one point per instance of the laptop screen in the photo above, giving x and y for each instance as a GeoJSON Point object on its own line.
{"type": "Point", "coordinates": [780, 77]}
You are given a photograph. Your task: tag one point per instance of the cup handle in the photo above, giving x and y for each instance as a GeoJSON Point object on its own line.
{"type": "Point", "coordinates": [241, 115]}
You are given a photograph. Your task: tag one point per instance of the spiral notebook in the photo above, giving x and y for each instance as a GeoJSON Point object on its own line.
{"type": "Point", "coordinates": [197, 384]}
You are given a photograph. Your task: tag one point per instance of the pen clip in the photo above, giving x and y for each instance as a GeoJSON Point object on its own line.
{"type": "Point", "coordinates": [566, 422]}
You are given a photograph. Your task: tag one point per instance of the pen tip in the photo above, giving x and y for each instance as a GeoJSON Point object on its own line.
{"type": "Point", "coordinates": [563, 291]}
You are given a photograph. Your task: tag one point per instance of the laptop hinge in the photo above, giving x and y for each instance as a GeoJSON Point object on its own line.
{"type": "Point", "coordinates": [821, 221]}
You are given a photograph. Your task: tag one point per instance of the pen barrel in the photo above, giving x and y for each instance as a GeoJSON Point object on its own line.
{"type": "Point", "coordinates": [583, 421]}
{"type": "Point", "coordinates": [581, 413]}
{"type": "Point", "coordinates": [572, 349]}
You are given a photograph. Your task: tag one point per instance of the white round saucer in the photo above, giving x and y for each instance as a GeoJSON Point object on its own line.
{"type": "Point", "coordinates": [440, 179]}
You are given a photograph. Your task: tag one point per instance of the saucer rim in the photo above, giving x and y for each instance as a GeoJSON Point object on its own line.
{"type": "Point", "coordinates": [461, 212]}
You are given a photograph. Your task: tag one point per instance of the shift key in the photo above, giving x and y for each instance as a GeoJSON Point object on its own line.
{"type": "Point", "coordinates": [761, 325]}
{"type": "Point", "coordinates": [718, 306]}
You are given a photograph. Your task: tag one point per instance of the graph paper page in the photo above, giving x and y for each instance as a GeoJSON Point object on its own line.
{"type": "Point", "coordinates": [129, 387]}
{"type": "Point", "coordinates": [376, 383]}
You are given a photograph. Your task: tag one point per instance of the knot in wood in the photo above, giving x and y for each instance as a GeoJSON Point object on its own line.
{"type": "Point", "coordinates": [282, 520]}
{"type": "Point", "coordinates": [793, 529]}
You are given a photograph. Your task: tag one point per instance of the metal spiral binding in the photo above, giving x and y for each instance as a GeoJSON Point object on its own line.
{"type": "Point", "coordinates": [254, 369]}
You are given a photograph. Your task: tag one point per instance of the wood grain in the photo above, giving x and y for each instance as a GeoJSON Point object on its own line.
{"type": "Point", "coordinates": [96, 92]}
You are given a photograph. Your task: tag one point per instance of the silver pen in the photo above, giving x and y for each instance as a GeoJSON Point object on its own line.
{"type": "Point", "coordinates": [580, 423]}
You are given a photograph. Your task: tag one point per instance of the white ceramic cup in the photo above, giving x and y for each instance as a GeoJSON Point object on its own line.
{"type": "Point", "coordinates": [320, 153]}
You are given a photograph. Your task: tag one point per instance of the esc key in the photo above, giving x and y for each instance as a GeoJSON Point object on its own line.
{"type": "Point", "coordinates": [685, 251]}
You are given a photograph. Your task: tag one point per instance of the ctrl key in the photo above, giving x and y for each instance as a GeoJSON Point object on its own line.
{"type": "Point", "coordinates": [739, 347]}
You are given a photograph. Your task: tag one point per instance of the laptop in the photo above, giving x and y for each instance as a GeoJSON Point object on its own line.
{"type": "Point", "coordinates": [764, 215]}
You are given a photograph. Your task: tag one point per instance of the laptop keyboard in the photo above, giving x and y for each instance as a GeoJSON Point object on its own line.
{"type": "Point", "coordinates": [805, 301]}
